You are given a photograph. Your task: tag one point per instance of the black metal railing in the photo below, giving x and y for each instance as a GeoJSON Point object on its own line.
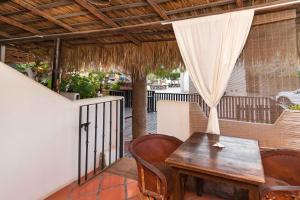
{"type": "Point", "coordinates": [127, 94]}
{"type": "Point", "coordinates": [240, 108]}
{"type": "Point", "coordinates": [100, 137]}
{"type": "Point", "coordinates": [177, 97]}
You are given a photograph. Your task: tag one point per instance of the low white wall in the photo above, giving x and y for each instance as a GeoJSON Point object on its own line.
{"type": "Point", "coordinates": [181, 119]}
{"type": "Point", "coordinates": [38, 137]}
{"type": "Point", "coordinates": [173, 119]}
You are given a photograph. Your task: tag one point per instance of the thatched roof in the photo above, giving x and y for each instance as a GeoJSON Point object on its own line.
{"type": "Point", "coordinates": [15, 55]}
{"type": "Point", "coordinates": [130, 57]}
{"type": "Point", "coordinates": [123, 33]}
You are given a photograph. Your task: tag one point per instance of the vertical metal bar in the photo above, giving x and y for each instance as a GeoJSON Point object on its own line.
{"type": "Point", "coordinates": [148, 102]}
{"type": "Point", "coordinates": [96, 130]}
{"type": "Point", "coordinates": [103, 135]}
{"type": "Point", "coordinates": [121, 127]}
{"type": "Point", "coordinates": [79, 147]}
{"type": "Point", "coordinates": [87, 141]}
{"type": "Point", "coordinates": [131, 91]}
{"type": "Point", "coordinates": [110, 125]}
{"type": "Point", "coordinates": [117, 123]}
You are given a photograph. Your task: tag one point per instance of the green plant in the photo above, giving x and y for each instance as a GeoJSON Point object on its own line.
{"type": "Point", "coordinates": [115, 86]}
{"type": "Point", "coordinates": [294, 107]}
{"type": "Point", "coordinates": [151, 77]}
{"type": "Point", "coordinates": [40, 71]}
{"type": "Point", "coordinates": [23, 67]}
{"type": "Point", "coordinates": [86, 85]}
{"type": "Point", "coordinates": [174, 76]}
{"type": "Point", "coordinates": [106, 86]}
{"type": "Point", "coordinates": [83, 85]}
{"type": "Point", "coordinates": [163, 73]}
{"type": "Point", "coordinates": [97, 78]}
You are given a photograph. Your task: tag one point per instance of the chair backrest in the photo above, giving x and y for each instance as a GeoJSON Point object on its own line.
{"type": "Point", "coordinates": [283, 165]}
{"type": "Point", "coordinates": [149, 151]}
{"type": "Point", "coordinates": [154, 148]}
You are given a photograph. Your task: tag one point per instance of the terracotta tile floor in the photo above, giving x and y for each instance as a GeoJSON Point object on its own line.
{"type": "Point", "coordinates": [107, 186]}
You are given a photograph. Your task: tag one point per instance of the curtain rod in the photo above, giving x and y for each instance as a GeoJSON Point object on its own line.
{"type": "Point", "coordinates": [255, 9]}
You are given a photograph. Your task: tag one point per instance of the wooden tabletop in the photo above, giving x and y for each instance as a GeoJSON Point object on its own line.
{"type": "Point", "coordinates": [240, 160]}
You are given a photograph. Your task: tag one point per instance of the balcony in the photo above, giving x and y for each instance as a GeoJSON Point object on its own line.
{"type": "Point", "coordinates": [231, 133]}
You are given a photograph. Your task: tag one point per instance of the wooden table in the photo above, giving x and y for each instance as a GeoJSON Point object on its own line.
{"type": "Point", "coordinates": [239, 163]}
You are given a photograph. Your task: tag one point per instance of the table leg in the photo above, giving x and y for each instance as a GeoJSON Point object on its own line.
{"type": "Point", "coordinates": [178, 194]}
{"type": "Point", "coordinates": [254, 194]}
{"type": "Point", "coordinates": [199, 186]}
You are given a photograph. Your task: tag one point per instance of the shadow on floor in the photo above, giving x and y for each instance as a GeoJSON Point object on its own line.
{"type": "Point", "coordinates": [118, 182]}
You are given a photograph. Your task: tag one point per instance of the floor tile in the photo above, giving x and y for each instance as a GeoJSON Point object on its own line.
{"type": "Point", "coordinates": [113, 193]}
{"type": "Point", "coordinates": [62, 194]}
{"type": "Point", "coordinates": [92, 187]}
{"type": "Point", "coordinates": [132, 189]}
{"type": "Point", "coordinates": [107, 186]}
{"type": "Point", "coordinates": [111, 181]}
{"type": "Point", "coordinates": [86, 197]}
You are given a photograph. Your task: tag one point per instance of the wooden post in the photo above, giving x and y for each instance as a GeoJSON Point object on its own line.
{"type": "Point", "coordinates": [139, 105]}
{"type": "Point", "coordinates": [2, 52]}
{"type": "Point", "coordinates": [56, 65]}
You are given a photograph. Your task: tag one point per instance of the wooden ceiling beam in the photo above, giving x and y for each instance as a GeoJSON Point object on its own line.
{"type": "Point", "coordinates": [97, 13]}
{"type": "Point", "coordinates": [149, 15]}
{"type": "Point", "coordinates": [16, 46]}
{"type": "Point", "coordinates": [55, 4]}
{"type": "Point", "coordinates": [15, 23]}
{"type": "Point", "coordinates": [199, 7]}
{"type": "Point", "coordinates": [129, 5]}
{"type": "Point", "coordinates": [43, 6]}
{"type": "Point", "coordinates": [239, 3]}
{"type": "Point", "coordinates": [110, 8]}
{"type": "Point", "coordinates": [89, 42]}
{"type": "Point", "coordinates": [104, 18]}
{"type": "Point", "coordinates": [119, 19]}
{"type": "Point", "coordinates": [158, 9]}
{"type": "Point", "coordinates": [68, 2]}
{"type": "Point", "coordinates": [3, 34]}
{"type": "Point", "coordinates": [93, 33]}
{"type": "Point", "coordinates": [127, 18]}
{"type": "Point", "coordinates": [28, 5]}
{"type": "Point", "coordinates": [150, 26]}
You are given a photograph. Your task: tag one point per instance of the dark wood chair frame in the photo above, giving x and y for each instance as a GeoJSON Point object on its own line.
{"type": "Point", "coordinates": [291, 192]}
{"type": "Point", "coordinates": [144, 167]}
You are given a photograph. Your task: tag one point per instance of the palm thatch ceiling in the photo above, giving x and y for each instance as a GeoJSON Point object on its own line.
{"type": "Point", "coordinates": [32, 24]}
{"type": "Point", "coordinates": [23, 18]}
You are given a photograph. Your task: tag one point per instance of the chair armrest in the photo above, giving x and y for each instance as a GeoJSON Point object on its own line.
{"type": "Point", "coordinates": [156, 173]}
{"type": "Point", "coordinates": [281, 192]}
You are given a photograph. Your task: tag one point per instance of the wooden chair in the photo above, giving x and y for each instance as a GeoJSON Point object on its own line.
{"type": "Point", "coordinates": [282, 171]}
{"type": "Point", "coordinates": [154, 176]}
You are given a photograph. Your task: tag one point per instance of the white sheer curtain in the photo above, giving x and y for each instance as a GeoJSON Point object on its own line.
{"type": "Point", "coordinates": [210, 47]}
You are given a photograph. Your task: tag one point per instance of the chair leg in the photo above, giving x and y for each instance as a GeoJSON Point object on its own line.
{"type": "Point", "coordinates": [183, 183]}
{"type": "Point", "coordinates": [150, 198]}
{"type": "Point", "coordinates": [143, 197]}
{"type": "Point", "coordinates": [199, 186]}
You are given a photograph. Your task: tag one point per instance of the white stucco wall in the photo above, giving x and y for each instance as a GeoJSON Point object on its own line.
{"type": "Point", "coordinates": [38, 137]}
{"type": "Point", "coordinates": [173, 119]}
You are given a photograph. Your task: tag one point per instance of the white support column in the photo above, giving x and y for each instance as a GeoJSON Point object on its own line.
{"type": "Point", "coordinates": [2, 53]}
